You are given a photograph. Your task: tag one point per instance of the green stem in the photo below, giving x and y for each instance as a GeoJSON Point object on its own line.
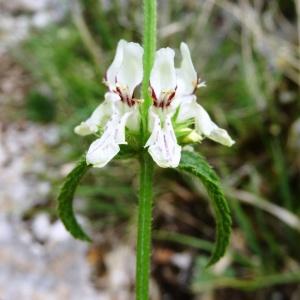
{"type": "Point", "coordinates": [144, 227]}
{"type": "Point", "coordinates": [147, 167]}
{"type": "Point", "coordinates": [149, 44]}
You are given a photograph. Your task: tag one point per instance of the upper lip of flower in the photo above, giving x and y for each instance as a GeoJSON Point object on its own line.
{"type": "Point", "coordinates": [167, 82]}
{"type": "Point", "coordinates": [126, 71]}
{"type": "Point", "coordinates": [163, 78]}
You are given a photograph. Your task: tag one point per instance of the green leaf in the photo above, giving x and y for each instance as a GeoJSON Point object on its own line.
{"type": "Point", "coordinates": [195, 164]}
{"type": "Point", "coordinates": [65, 200]}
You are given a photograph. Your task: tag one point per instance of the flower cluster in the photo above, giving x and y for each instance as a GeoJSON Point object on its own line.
{"type": "Point", "coordinates": [174, 104]}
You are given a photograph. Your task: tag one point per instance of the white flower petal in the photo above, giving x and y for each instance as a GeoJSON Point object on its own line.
{"type": "Point", "coordinates": [163, 74]}
{"type": "Point", "coordinates": [130, 73]}
{"type": "Point", "coordinates": [112, 71]}
{"type": "Point", "coordinates": [204, 125]}
{"type": "Point", "coordinates": [162, 144]}
{"type": "Point", "coordinates": [133, 122]}
{"type": "Point", "coordinates": [104, 149]}
{"type": "Point", "coordinates": [186, 74]}
{"type": "Point", "coordinates": [221, 136]}
{"type": "Point", "coordinates": [92, 124]}
{"type": "Point", "coordinates": [154, 127]}
{"type": "Point", "coordinates": [186, 107]}
{"type": "Point", "coordinates": [120, 125]}
{"type": "Point", "coordinates": [112, 98]}
{"type": "Point", "coordinates": [126, 70]}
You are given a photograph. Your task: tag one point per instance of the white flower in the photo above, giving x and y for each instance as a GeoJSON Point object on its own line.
{"type": "Point", "coordinates": [119, 110]}
{"type": "Point", "coordinates": [162, 142]}
{"type": "Point", "coordinates": [174, 103]}
{"type": "Point", "coordinates": [173, 92]}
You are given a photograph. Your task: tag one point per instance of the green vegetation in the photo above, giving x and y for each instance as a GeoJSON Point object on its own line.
{"type": "Point", "coordinates": [251, 91]}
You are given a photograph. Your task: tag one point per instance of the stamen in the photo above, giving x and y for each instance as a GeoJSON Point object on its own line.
{"type": "Point", "coordinates": [199, 84]}
{"type": "Point", "coordinates": [165, 98]}
{"type": "Point", "coordinates": [123, 93]}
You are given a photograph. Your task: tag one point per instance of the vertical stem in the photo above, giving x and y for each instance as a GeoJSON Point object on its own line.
{"type": "Point", "coordinates": [146, 163]}
{"type": "Point", "coordinates": [144, 227]}
{"type": "Point", "coordinates": [149, 44]}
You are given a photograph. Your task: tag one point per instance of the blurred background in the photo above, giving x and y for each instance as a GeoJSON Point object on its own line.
{"type": "Point", "coordinates": [53, 54]}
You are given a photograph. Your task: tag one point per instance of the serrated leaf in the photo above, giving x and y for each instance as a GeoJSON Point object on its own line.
{"type": "Point", "coordinates": [195, 164]}
{"type": "Point", "coordinates": [65, 200]}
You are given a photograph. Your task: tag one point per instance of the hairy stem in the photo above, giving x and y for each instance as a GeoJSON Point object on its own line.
{"type": "Point", "coordinates": [144, 227]}
{"type": "Point", "coordinates": [149, 44]}
{"type": "Point", "coordinates": [146, 163]}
